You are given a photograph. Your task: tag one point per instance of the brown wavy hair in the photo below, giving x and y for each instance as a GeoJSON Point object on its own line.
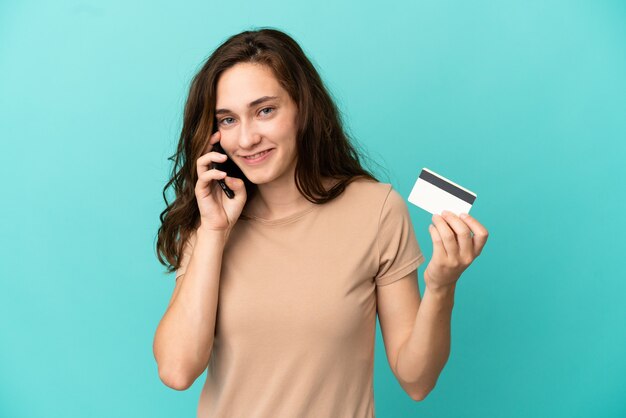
{"type": "Point", "coordinates": [320, 133]}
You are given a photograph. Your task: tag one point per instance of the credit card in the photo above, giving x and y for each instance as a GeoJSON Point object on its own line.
{"type": "Point", "coordinates": [434, 193]}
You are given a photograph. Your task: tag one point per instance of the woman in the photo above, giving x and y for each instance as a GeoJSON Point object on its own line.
{"type": "Point", "coordinates": [277, 289]}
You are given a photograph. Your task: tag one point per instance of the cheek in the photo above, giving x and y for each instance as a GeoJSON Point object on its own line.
{"type": "Point", "coordinates": [274, 130]}
{"type": "Point", "coordinates": [226, 146]}
{"type": "Point", "coordinates": [227, 141]}
{"type": "Point", "coordinates": [284, 130]}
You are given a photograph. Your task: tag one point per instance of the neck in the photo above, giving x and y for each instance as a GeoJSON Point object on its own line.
{"type": "Point", "coordinates": [280, 198]}
{"type": "Point", "coordinates": [277, 199]}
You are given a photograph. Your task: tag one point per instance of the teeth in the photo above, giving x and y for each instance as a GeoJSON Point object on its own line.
{"type": "Point", "coordinates": [252, 157]}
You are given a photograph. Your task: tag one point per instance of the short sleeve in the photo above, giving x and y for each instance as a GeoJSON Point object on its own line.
{"type": "Point", "coordinates": [398, 249]}
{"type": "Point", "coordinates": [187, 250]}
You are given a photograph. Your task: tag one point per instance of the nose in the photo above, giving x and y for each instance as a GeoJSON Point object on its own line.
{"type": "Point", "coordinates": [248, 136]}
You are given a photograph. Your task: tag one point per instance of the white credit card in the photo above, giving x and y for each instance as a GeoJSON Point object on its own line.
{"type": "Point", "coordinates": [435, 193]}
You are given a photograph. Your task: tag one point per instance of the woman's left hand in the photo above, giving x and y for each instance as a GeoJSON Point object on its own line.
{"type": "Point", "coordinates": [454, 248]}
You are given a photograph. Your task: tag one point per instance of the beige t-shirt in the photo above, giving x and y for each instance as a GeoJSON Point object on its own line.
{"type": "Point", "coordinates": [296, 316]}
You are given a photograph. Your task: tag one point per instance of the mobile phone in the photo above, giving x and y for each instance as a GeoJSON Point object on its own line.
{"type": "Point", "coordinates": [220, 166]}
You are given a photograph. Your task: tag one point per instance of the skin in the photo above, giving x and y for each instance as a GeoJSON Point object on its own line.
{"type": "Point", "coordinates": [246, 131]}
{"type": "Point", "coordinates": [457, 241]}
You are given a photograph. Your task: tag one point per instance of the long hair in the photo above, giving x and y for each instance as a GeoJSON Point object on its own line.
{"type": "Point", "coordinates": [320, 133]}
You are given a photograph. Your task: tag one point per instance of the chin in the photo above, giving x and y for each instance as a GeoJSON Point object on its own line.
{"type": "Point", "coordinates": [258, 179]}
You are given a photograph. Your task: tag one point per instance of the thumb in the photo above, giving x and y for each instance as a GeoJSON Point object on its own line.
{"type": "Point", "coordinates": [234, 183]}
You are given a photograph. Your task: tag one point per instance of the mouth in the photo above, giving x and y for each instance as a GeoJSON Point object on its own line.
{"type": "Point", "coordinates": [258, 157]}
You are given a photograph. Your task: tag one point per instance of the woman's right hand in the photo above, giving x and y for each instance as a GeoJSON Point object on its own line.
{"type": "Point", "coordinates": [217, 211]}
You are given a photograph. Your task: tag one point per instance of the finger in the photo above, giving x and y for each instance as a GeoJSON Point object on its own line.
{"type": "Point", "coordinates": [438, 248]}
{"type": "Point", "coordinates": [215, 137]}
{"type": "Point", "coordinates": [234, 183]}
{"type": "Point", "coordinates": [463, 235]}
{"type": "Point", "coordinates": [205, 162]}
{"type": "Point", "coordinates": [480, 233]}
{"type": "Point", "coordinates": [206, 177]}
{"type": "Point", "coordinates": [447, 235]}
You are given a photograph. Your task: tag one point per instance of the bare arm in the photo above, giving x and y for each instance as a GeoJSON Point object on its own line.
{"type": "Point", "coordinates": [457, 241]}
{"type": "Point", "coordinates": [425, 353]}
{"type": "Point", "coordinates": [184, 338]}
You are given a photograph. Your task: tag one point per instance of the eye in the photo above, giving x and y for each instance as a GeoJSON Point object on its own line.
{"type": "Point", "coordinates": [261, 111]}
{"type": "Point", "coordinates": [267, 108]}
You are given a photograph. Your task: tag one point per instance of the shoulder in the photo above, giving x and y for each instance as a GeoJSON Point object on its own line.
{"type": "Point", "coordinates": [361, 201]}
{"type": "Point", "coordinates": [377, 197]}
{"type": "Point", "coordinates": [380, 198]}
{"type": "Point", "coordinates": [370, 190]}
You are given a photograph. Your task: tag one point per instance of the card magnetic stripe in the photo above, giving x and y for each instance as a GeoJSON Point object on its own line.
{"type": "Point", "coordinates": [450, 188]}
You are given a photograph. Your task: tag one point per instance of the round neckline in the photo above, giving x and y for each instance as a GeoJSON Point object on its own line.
{"type": "Point", "coordinates": [284, 219]}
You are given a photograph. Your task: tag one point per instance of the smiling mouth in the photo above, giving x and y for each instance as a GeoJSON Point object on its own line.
{"type": "Point", "coordinates": [257, 155]}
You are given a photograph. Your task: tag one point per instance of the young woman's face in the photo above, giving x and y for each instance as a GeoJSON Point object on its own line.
{"type": "Point", "coordinates": [249, 124]}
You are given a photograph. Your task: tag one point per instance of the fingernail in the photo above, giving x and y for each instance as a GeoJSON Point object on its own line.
{"type": "Point", "coordinates": [463, 215]}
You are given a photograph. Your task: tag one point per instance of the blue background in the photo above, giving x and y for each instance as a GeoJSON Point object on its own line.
{"type": "Point", "coordinates": [522, 102]}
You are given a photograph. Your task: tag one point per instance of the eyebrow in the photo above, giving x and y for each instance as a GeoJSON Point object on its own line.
{"type": "Point", "coordinates": [251, 104]}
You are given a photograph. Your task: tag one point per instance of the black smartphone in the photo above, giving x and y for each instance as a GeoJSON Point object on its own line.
{"type": "Point", "coordinates": [221, 166]}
